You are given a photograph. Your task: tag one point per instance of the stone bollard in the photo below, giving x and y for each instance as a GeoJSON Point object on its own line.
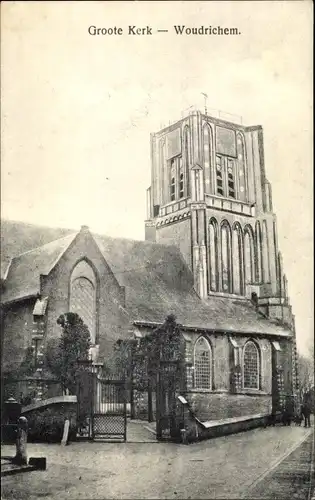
{"type": "Point", "coordinates": [21, 442]}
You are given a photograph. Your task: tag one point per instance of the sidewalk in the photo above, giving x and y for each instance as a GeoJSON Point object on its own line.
{"type": "Point", "coordinates": [221, 468]}
{"type": "Point", "coordinates": [293, 478]}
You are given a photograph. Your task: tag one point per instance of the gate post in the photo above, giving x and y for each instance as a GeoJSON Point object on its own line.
{"type": "Point", "coordinates": [133, 344]}
{"type": "Point", "coordinates": [21, 442]}
{"type": "Point", "coordinates": [150, 406]}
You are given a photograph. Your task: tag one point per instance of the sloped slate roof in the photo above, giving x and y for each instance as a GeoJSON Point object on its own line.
{"type": "Point", "coordinates": [157, 283]}
{"type": "Point", "coordinates": [23, 276]}
{"type": "Point", "coordinates": [19, 237]}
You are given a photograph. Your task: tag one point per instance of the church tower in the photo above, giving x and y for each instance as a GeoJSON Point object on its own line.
{"type": "Point", "coordinates": [210, 197]}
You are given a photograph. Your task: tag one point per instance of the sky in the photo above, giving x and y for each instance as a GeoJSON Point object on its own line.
{"type": "Point", "coordinates": [78, 110]}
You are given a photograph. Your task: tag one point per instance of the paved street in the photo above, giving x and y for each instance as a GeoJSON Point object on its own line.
{"type": "Point", "coordinates": [227, 467]}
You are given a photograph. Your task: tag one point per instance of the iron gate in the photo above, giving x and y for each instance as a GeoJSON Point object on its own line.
{"type": "Point", "coordinates": [109, 419]}
{"type": "Point", "coordinates": [102, 408]}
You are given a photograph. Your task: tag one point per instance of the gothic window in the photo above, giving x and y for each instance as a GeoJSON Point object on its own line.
{"type": "Point", "coordinates": [177, 178]}
{"type": "Point", "coordinates": [251, 366]}
{"type": "Point", "coordinates": [259, 252]}
{"type": "Point", "coordinates": [241, 159]}
{"type": "Point", "coordinates": [207, 157]}
{"type": "Point", "coordinates": [249, 257]}
{"type": "Point", "coordinates": [83, 295]}
{"type": "Point", "coordinates": [237, 260]}
{"type": "Point", "coordinates": [265, 250]}
{"type": "Point", "coordinates": [231, 172]}
{"type": "Point", "coordinates": [213, 239]}
{"type": "Point", "coordinates": [225, 176]}
{"type": "Point", "coordinates": [202, 364]}
{"type": "Point", "coordinates": [186, 156]}
{"type": "Point", "coordinates": [226, 258]}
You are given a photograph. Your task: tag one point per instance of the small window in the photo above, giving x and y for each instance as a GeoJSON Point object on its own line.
{"type": "Point", "coordinates": [219, 175]}
{"type": "Point", "coordinates": [173, 189]}
{"type": "Point", "coordinates": [181, 186]}
{"type": "Point", "coordinates": [231, 183]}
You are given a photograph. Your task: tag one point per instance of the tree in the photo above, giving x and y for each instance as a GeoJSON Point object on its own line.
{"type": "Point", "coordinates": [62, 356]}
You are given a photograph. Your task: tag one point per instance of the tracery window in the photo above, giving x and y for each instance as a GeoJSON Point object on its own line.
{"type": "Point", "coordinates": [225, 176]}
{"type": "Point", "coordinates": [186, 158]}
{"type": "Point", "coordinates": [237, 260]}
{"type": "Point", "coordinates": [213, 250]}
{"type": "Point", "coordinates": [177, 178]}
{"type": "Point", "coordinates": [259, 252]}
{"type": "Point", "coordinates": [241, 159]}
{"type": "Point", "coordinates": [207, 157]}
{"type": "Point", "coordinates": [251, 366]}
{"type": "Point", "coordinates": [249, 256]}
{"type": "Point", "coordinates": [202, 364]}
{"type": "Point", "coordinates": [265, 248]}
{"type": "Point", "coordinates": [226, 258]}
{"type": "Point", "coordinates": [83, 295]}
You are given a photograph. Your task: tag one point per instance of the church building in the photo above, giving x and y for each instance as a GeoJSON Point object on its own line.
{"type": "Point", "coordinates": [210, 257]}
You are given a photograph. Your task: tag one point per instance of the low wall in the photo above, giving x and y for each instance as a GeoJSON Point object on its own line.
{"type": "Point", "coordinates": [46, 418]}
{"type": "Point", "coordinates": [232, 426]}
{"type": "Point", "coordinates": [198, 431]}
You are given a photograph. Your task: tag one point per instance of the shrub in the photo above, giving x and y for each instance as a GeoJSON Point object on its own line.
{"type": "Point", "coordinates": [47, 425]}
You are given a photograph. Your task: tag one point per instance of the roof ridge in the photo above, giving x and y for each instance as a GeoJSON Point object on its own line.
{"type": "Point", "coordinates": [146, 242]}
{"type": "Point", "coordinates": [42, 246]}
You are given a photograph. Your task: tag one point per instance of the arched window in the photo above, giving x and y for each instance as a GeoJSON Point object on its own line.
{"type": "Point", "coordinates": [186, 157]}
{"type": "Point", "coordinates": [237, 246]}
{"type": "Point", "coordinates": [203, 364]}
{"type": "Point", "coordinates": [249, 267]}
{"type": "Point", "coordinates": [265, 249]}
{"type": "Point", "coordinates": [226, 258]}
{"type": "Point", "coordinates": [241, 161]}
{"type": "Point", "coordinates": [163, 171]}
{"type": "Point", "coordinates": [213, 240]}
{"type": "Point", "coordinates": [83, 295]}
{"type": "Point", "coordinates": [207, 157]}
{"type": "Point", "coordinates": [251, 366]}
{"type": "Point", "coordinates": [259, 252]}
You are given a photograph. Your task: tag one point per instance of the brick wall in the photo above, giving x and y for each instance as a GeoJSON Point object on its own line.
{"type": "Point", "coordinates": [17, 333]}
{"type": "Point", "coordinates": [220, 402]}
{"type": "Point", "coordinates": [216, 406]}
